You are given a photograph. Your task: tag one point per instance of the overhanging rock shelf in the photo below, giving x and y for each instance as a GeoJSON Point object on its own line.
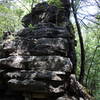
{"type": "Point", "coordinates": [37, 64]}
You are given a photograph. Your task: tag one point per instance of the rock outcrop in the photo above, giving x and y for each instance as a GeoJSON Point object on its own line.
{"type": "Point", "coordinates": [38, 62]}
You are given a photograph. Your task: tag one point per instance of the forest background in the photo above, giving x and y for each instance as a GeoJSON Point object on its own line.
{"type": "Point", "coordinates": [88, 17]}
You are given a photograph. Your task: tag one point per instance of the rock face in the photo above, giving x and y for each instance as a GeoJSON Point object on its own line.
{"type": "Point", "coordinates": [38, 62]}
{"type": "Point", "coordinates": [45, 13]}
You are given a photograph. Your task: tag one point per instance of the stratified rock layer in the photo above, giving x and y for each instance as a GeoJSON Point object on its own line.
{"type": "Point", "coordinates": [37, 63]}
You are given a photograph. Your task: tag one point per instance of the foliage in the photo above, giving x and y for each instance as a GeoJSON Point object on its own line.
{"type": "Point", "coordinates": [92, 65]}
{"type": "Point", "coordinates": [10, 17]}
{"type": "Point", "coordinates": [92, 62]}
{"type": "Point", "coordinates": [55, 2]}
{"type": "Point", "coordinates": [5, 19]}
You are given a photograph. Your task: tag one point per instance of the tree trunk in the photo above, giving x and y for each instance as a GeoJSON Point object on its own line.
{"type": "Point", "coordinates": [82, 67]}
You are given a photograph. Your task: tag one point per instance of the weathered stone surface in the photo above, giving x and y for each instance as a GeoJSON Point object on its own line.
{"type": "Point", "coordinates": [39, 41]}
{"type": "Point", "coordinates": [44, 13]}
{"type": "Point", "coordinates": [44, 46]}
{"type": "Point", "coordinates": [47, 30]}
{"type": "Point", "coordinates": [78, 90]}
{"type": "Point", "coordinates": [28, 86]}
{"type": "Point", "coordinates": [43, 82]}
{"type": "Point", "coordinates": [66, 97]}
{"type": "Point", "coordinates": [36, 82]}
{"type": "Point", "coordinates": [9, 46]}
{"type": "Point", "coordinates": [36, 75]}
{"type": "Point", "coordinates": [37, 63]}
